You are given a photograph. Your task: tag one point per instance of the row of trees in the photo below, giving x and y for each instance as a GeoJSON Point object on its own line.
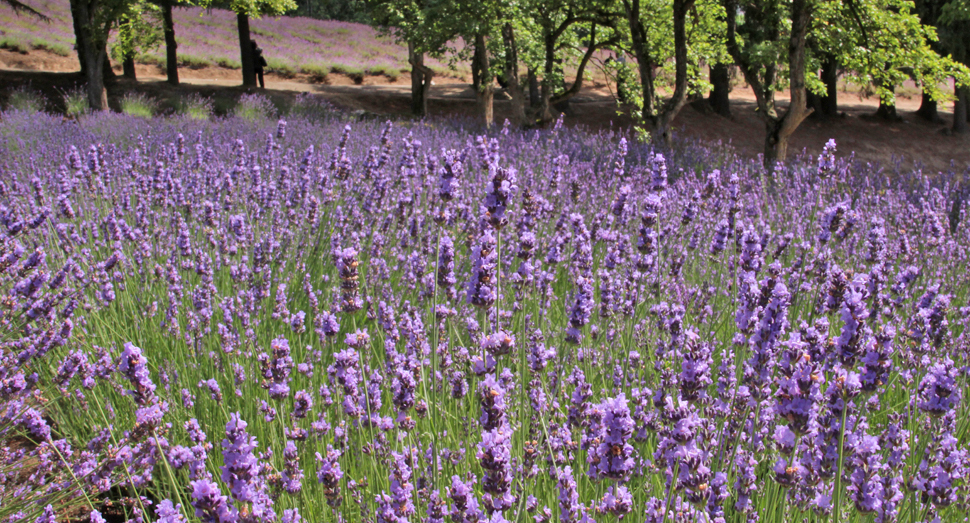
{"type": "Point", "coordinates": [140, 23]}
{"type": "Point", "coordinates": [540, 51]}
{"type": "Point", "coordinates": [803, 46]}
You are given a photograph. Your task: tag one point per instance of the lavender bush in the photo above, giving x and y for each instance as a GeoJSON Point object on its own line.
{"type": "Point", "coordinates": [301, 320]}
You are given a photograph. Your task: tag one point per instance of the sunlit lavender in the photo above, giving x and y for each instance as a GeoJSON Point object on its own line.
{"type": "Point", "coordinates": [291, 320]}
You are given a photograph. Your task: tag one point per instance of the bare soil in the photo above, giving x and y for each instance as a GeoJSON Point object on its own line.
{"type": "Point", "coordinates": [912, 141]}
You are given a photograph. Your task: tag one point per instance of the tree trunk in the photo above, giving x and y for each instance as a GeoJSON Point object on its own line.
{"type": "Point", "coordinates": [720, 95]}
{"type": "Point", "coordinates": [93, 52]}
{"type": "Point", "coordinates": [128, 66]}
{"type": "Point", "coordinates": [887, 110]}
{"type": "Point", "coordinates": [961, 111]}
{"type": "Point", "coordinates": [547, 86]}
{"type": "Point", "coordinates": [79, 27]}
{"type": "Point", "coordinates": [829, 105]}
{"type": "Point", "coordinates": [776, 145]}
{"type": "Point", "coordinates": [638, 39]}
{"type": "Point", "coordinates": [534, 96]}
{"type": "Point", "coordinates": [97, 96]}
{"type": "Point", "coordinates": [485, 93]}
{"type": "Point", "coordinates": [246, 51]}
{"type": "Point", "coordinates": [928, 109]}
{"type": "Point", "coordinates": [107, 72]}
{"type": "Point", "coordinates": [513, 87]}
{"type": "Point", "coordinates": [420, 82]}
{"type": "Point", "coordinates": [779, 130]}
{"type": "Point", "coordinates": [662, 128]}
{"type": "Point", "coordinates": [171, 55]}
{"type": "Point", "coordinates": [476, 72]}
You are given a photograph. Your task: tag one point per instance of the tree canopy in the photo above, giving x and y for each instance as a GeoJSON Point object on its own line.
{"type": "Point", "coordinates": [540, 51]}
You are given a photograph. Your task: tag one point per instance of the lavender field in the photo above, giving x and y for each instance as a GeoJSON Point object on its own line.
{"type": "Point", "coordinates": [208, 37]}
{"type": "Point", "coordinates": [301, 319]}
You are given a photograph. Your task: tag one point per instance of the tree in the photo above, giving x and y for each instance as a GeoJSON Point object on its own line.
{"type": "Point", "coordinates": [171, 47]}
{"type": "Point", "coordinates": [343, 10]}
{"type": "Point", "coordinates": [719, 97]}
{"type": "Point", "coordinates": [954, 25]}
{"type": "Point", "coordinates": [768, 25]}
{"type": "Point", "coordinates": [881, 43]}
{"type": "Point", "coordinates": [409, 23]}
{"type": "Point", "coordinates": [696, 37]}
{"type": "Point", "coordinates": [245, 9]}
{"type": "Point", "coordinates": [510, 73]}
{"type": "Point", "coordinates": [20, 7]}
{"type": "Point", "coordinates": [565, 29]}
{"type": "Point", "coordinates": [480, 24]}
{"type": "Point", "coordinates": [93, 20]}
{"type": "Point", "coordinates": [137, 31]}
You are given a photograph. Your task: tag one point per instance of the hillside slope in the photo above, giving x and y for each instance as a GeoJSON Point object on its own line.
{"type": "Point", "coordinates": [208, 37]}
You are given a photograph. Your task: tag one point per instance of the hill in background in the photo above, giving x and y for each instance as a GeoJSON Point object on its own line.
{"type": "Point", "coordinates": [208, 37]}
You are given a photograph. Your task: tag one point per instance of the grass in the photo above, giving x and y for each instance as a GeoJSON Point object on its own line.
{"type": "Point", "coordinates": [194, 106]}
{"type": "Point", "coordinates": [354, 72]}
{"type": "Point", "coordinates": [281, 67]}
{"type": "Point", "coordinates": [23, 99]}
{"type": "Point", "coordinates": [56, 48]}
{"type": "Point", "coordinates": [384, 70]}
{"type": "Point", "coordinates": [75, 102]}
{"type": "Point", "coordinates": [15, 44]}
{"type": "Point", "coordinates": [253, 107]}
{"type": "Point", "coordinates": [136, 104]}
{"type": "Point", "coordinates": [228, 63]}
{"type": "Point", "coordinates": [317, 72]}
{"type": "Point", "coordinates": [193, 62]}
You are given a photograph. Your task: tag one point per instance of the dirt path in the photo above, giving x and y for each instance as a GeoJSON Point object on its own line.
{"type": "Point", "coordinates": [912, 142]}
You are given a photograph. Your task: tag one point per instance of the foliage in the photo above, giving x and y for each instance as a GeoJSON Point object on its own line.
{"type": "Point", "coordinates": [258, 8]}
{"type": "Point", "coordinates": [882, 43]}
{"type": "Point", "coordinates": [139, 30]}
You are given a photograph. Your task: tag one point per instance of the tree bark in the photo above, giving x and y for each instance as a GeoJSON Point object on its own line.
{"type": "Point", "coordinates": [548, 73]}
{"type": "Point", "coordinates": [93, 52]}
{"type": "Point", "coordinates": [577, 84]}
{"type": "Point", "coordinates": [887, 110]}
{"type": "Point", "coordinates": [246, 51]}
{"type": "Point", "coordinates": [534, 97]}
{"type": "Point", "coordinates": [485, 93]}
{"type": "Point", "coordinates": [78, 29]}
{"type": "Point", "coordinates": [662, 128]}
{"type": "Point", "coordinates": [928, 109]}
{"type": "Point", "coordinates": [513, 87]}
{"type": "Point", "coordinates": [961, 111]}
{"type": "Point", "coordinates": [107, 72]}
{"type": "Point", "coordinates": [779, 130]}
{"type": "Point", "coordinates": [830, 76]}
{"type": "Point", "coordinates": [171, 54]}
{"type": "Point", "coordinates": [128, 66]}
{"type": "Point", "coordinates": [476, 72]}
{"type": "Point", "coordinates": [719, 98]}
{"type": "Point", "coordinates": [638, 39]}
{"type": "Point", "coordinates": [421, 77]}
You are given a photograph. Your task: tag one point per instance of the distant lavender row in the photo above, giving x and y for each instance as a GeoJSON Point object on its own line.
{"type": "Point", "coordinates": [209, 37]}
{"type": "Point", "coordinates": [291, 320]}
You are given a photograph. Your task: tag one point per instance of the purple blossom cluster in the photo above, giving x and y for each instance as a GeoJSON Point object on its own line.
{"type": "Point", "coordinates": [208, 321]}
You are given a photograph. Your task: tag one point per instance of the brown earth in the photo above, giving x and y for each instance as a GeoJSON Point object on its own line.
{"type": "Point", "coordinates": [911, 141]}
